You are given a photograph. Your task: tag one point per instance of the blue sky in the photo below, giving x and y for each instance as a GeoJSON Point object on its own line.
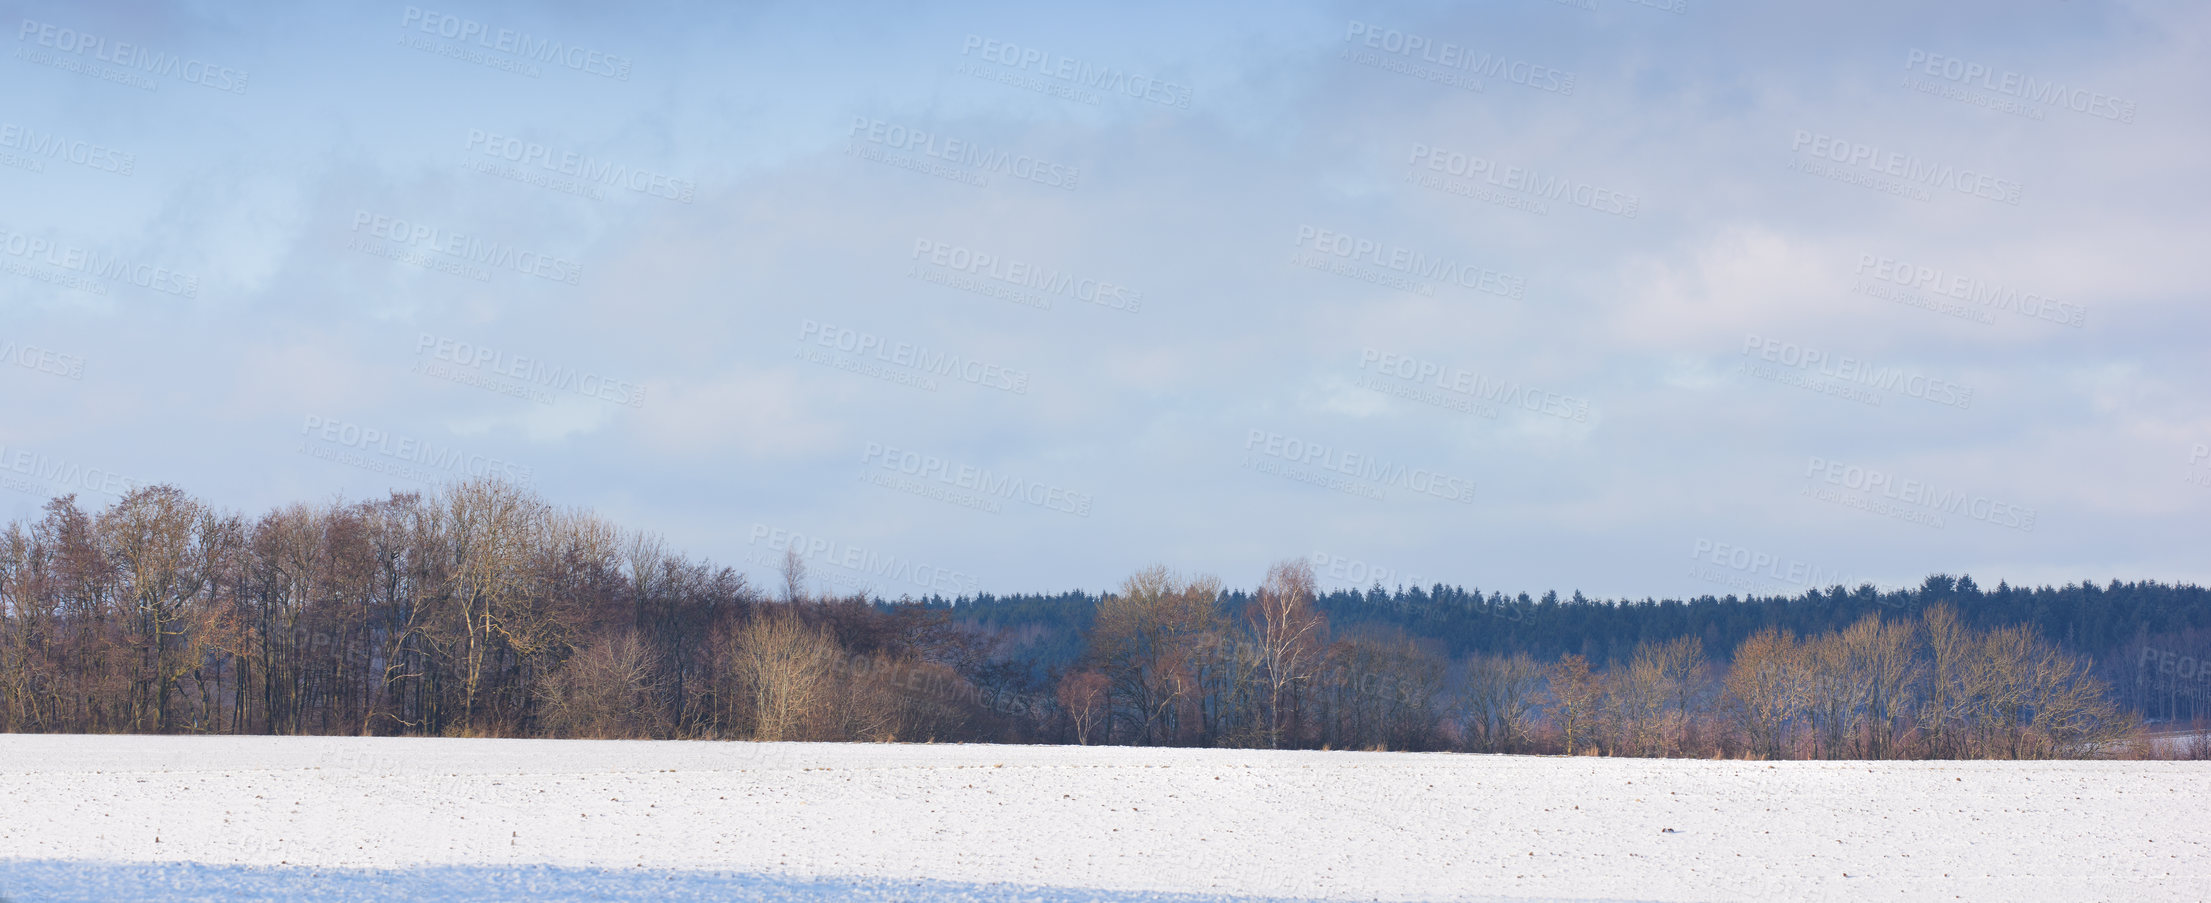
{"type": "Point", "coordinates": [1632, 298]}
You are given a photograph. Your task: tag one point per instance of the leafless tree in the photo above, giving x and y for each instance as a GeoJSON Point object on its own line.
{"type": "Point", "coordinates": [1885, 665]}
{"type": "Point", "coordinates": [605, 691]}
{"type": "Point", "coordinates": [1947, 703]}
{"type": "Point", "coordinates": [1680, 667]}
{"type": "Point", "coordinates": [1289, 638]}
{"type": "Point", "coordinates": [166, 545]}
{"type": "Point", "coordinates": [788, 666]}
{"type": "Point", "coordinates": [1150, 640]}
{"type": "Point", "coordinates": [1636, 697]}
{"type": "Point", "coordinates": [794, 576]}
{"type": "Point", "coordinates": [478, 609]}
{"type": "Point", "coordinates": [1765, 689]}
{"type": "Point", "coordinates": [1500, 700]}
{"type": "Point", "coordinates": [1836, 695]}
{"type": "Point", "coordinates": [490, 526]}
{"type": "Point", "coordinates": [1576, 699]}
{"type": "Point", "coordinates": [1082, 695]}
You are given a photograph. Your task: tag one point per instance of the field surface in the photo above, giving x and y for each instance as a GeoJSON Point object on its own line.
{"type": "Point", "coordinates": [107, 818]}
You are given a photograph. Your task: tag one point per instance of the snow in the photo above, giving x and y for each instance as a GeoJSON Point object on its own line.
{"type": "Point", "coordinates": [91, 817]}
{"type": "Point", "coordinates": [105, 883]}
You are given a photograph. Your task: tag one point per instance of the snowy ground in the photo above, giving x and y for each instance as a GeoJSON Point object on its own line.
{"type": "Point", "coordinates": [512, 820]}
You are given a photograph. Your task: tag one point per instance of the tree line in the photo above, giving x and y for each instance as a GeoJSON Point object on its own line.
{"type": "Point", "coordinates": [2151, 641]}
{"type": "Point", "coordinates": [481, 610]}
{"type": "Point", "coordinates": [475, 611]}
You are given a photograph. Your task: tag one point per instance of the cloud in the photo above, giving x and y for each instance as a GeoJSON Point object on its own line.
{"type": "Point", "coordinates": [1150, 273]}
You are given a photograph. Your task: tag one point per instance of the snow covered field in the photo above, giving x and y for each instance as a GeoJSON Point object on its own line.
{"type": "Point", "coordinates": [280, 818]}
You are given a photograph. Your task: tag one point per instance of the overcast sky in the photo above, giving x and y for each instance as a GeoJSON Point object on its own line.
{"type": "Point", "coordinates": [1663, 298]}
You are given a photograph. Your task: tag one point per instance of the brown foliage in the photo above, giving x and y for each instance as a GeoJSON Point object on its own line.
{"type": "Point", "coordinates": [606, 691]}
{"type": "Point", "coordinates": [1576, 694]}
{"type": "Point", "coordinates": [1152, 641]}
{"type": "Point", "coordinates": [786, 666]}
{"type": "Point", "coordinates": [479, 610]}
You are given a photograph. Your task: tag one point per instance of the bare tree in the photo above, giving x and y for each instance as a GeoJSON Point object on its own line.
{"type": "Point", "coordinates": [1638, 696]}
{"type": "Point", "coordinates": [166, 545]}
{"type": "Point", "coordinates": [490, 525]}
{"type": "Point", "coordinates": [1289, 637]}
{"type": "Point", "coordinates": [1500, 697]}
{"type": "Point", "coordinates": [1947, 702]}
{"type": "Point", "coordinates": [1682, 682]}
{"type": "Point", "coordinates": [1576, 698]}
{"type": "Point", "coordinates": [2034, 701]}
{"type": "Point", "coordinates": [2074, 713]}
{"type": "Point", "coordinates": [605, 691]}
{"type": "Point", "coordinates": [573, 565]}
{"type": "Point", "coordinates": [1150, 640]}
{"type": "Point", "coordinates": [1835, 692]}
{"type": "Point", "coordinates": [1885, 664]}
{"type": "Point", "coordinates": [30, 626]}
{"type": "Point", "coordinates": [1656, 697]}
{"type": "Point", "coordinates": [1765, 688]}
{"type": "Point", "coordinates": [788, 665]}
{"type": "Point", "coordinates": [1082, 694]}
{"type": "Point", "coordinates": [478, 609]}
{"type": "Point", "coordinates": [794, 576]}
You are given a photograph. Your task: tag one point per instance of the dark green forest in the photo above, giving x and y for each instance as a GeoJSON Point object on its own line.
{"type": "Point", "coordinates": [2127, 628]}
